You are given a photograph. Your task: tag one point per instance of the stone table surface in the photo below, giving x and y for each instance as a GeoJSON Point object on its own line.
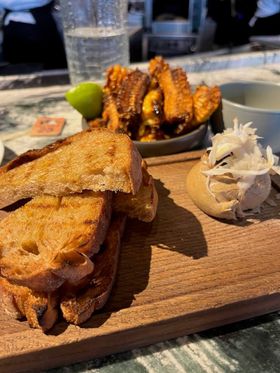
{"type": "Point", "coordinates": [248, 346]}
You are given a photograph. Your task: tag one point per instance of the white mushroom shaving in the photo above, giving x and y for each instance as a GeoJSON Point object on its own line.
{"type": "Point", "coordinates": [238, 168]}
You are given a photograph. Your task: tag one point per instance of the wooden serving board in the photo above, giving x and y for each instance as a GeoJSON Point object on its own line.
{"type": "Point", "coordinates": [183, 273]}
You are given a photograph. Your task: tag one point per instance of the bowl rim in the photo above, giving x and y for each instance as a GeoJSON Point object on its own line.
{"type": "Point", "coordinates": [250, 108]}
{"type": "Point", "coordinates": [171, 140]}
{"type": "Point", "coordinates": [199, 129]}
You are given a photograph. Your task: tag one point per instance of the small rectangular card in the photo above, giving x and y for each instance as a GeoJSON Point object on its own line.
{"type": "Point", "coordinates": [47, 126]}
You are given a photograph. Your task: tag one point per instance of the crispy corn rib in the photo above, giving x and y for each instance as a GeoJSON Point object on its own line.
{"type": "Point", "coordinates": [206, 100]}
{"type": "Point", "coordinates": [110, 116]}
{"type": "Point", "coordinates": [114, 79]}
{"type": "Point", "coordinates": [152, 114]}
{"type": "Point", "coordinates": [123, 96]}
{"type": "Point", "coordinates": [155, 106]}
{"type": "Point", "coordinates": [156, 66]}
{"type": "Point", "coordinates": [132, 92]}
{"type": "Point", "coordinates": [152, 108]}
{"type": "Point", "coordinates": [130, 98]}
{"type": "Point", "coordinates": [178, 103]}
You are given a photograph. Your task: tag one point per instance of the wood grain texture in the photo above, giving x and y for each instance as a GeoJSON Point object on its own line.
{"type": "Point", "coordinates": [183, 273]}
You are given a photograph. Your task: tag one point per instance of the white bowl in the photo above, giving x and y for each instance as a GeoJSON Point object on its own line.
{"type": "Point", "coordinates": [170, 146]}
{"type": "Point", "coordinates": [257, 102]}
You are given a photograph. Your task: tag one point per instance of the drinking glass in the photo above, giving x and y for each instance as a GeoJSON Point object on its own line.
{"type": "Point", "coordinates": [95, 34]}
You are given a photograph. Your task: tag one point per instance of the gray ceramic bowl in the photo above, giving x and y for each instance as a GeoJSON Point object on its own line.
{"type": "Point", "coordinates": [170, 146]}
{"type": "Point", "coordinates": [174, 145]}
{"type": "Point", "coordinates": [257, 102]}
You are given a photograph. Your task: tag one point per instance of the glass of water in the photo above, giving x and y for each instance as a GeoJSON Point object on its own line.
{"type": "Point", "coordinates": [95, 34]}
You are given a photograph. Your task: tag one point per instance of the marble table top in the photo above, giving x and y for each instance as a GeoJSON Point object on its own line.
{"type": "Point", "coordinates": [248, 346]}
{"type": "Point", "coordinates": [20, 107]}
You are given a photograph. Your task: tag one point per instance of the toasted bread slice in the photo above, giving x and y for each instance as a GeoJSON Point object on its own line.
{"type": "Point", "coordinates": [96, 159]}
{"type": "Point", "coordinates": [142, 205]}
{"type": "Point", "coordinates": [50, 239]}
{"type": "Point", "coordinates": [78, 308]}
{"type": "Point", "coordinates": [40, 309]}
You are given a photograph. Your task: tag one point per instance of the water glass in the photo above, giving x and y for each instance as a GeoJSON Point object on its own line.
{"type": "Point", "coordinates": [95, 34]}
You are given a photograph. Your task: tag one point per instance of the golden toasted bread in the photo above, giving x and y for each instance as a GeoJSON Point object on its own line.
{"type": "Point", "coordinates": [96, 159]}
{"type": "Point", "coordinates": [142, 205]}
{"type": "Point", "coordinates": [49, 247]}
{"type": "Point", "coordinates": [40, 309]}
{"type": "Point", "coordinates": [77, 308]}
{"type": "Point", "coordinates": [49, 240]}
{"type": "Point", "coordinates": [90, 294]}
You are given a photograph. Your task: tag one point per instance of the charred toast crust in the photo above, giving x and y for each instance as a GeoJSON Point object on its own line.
{"type": "Point", "coordinates": [38, 281]}
{"type": "Point", "coordinates": [40, 309]}
{"type": "Point", "coordinates": [78, 308]}
{"type": "Point", "coordinates": [33, 154]}
{"type": "Point", "coordinates": [8, 302]}
{"type": "Point", "coordinates": [50, 279]}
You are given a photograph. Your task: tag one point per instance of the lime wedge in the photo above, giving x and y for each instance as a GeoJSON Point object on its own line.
{"type": "Point", "coordinates": [86, 98]}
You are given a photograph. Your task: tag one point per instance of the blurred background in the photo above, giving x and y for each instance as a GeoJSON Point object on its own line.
{"type": "Point", "coordinates": [31, 37]}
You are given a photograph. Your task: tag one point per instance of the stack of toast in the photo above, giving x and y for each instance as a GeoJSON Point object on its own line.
{"type": "Point", "coordinates": [64, 210]}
